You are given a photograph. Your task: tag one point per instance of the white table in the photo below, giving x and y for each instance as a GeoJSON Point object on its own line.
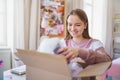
{"type": "Point", "coordinates": [10, 76]}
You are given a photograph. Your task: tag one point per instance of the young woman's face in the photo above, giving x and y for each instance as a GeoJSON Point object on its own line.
{"type": "Point", "coordinates": [75, 26]}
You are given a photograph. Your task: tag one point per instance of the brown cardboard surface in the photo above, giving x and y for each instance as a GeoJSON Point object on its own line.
{"type": "Point", "coordinates": [93, 70]}
{"type": "Point", "coordinates": [39, 74]}
{"type": "Point", "coordinates": [44, 62]}
{"type": "Point", "coordinates": [42, 66]}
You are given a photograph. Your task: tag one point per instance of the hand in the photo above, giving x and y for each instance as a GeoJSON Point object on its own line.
{"type": "Point", "coordinates": [68, 52]}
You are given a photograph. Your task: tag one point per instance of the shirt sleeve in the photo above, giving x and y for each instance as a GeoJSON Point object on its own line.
{"type": "Point", "coordinates": [96, 45]}
{"type": "Point", "coordinates": [94, 54]}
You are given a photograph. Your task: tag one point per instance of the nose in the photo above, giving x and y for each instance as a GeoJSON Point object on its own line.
{"type": "Point", "coordinates": [72, 28]}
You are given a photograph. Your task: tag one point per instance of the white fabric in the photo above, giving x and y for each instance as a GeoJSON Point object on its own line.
{"type": "Point", "coordinates": [26, 30]}
{"type": "Point", "coordinates": [48, 45]}
{"type": "Point", "coordinates": [95, 45]}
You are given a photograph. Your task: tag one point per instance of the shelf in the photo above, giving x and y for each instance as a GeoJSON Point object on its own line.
{"type": "Point", "coordinates": [116, 40]}
{"type": "Point", "coordinates": [117, 12]}
{"type": "Point", "coordinates": [116, 20]}
{"type": "Point", "coordinates": [116, 55]}
{"type": "Point", "coordinates": [116, 33]}
{"type": "Point", "coordinates": [116, 28]}
{"type": "Point", "coordinates": [116, 51]}
{"type": "Point", "coordinates": [116, 45]}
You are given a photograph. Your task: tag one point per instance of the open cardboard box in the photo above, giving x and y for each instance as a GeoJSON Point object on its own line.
{"type": "Point", "coordinates": [41, 66]}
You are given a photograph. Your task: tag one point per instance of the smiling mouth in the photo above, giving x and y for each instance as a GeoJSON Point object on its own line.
{"type": "Point", "coordinates": [74, 33]}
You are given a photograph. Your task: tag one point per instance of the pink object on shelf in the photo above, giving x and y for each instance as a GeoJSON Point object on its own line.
{"type": "Point", "coordinates": [1, 63]}
{"type": "Point", "coordinates": [1, 70]}
{"type": "Point", "coordinates": [9, 76]}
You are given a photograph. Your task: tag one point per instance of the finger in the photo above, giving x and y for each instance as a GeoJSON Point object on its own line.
{"type": "Point", "coordinates": [66, 52]}
{"type": "Point", "coordinates": [61, 50]}
{"type": "Point", "coordinates": [68, 56]}
{"type": "Point", "coordinates": [72, 57]}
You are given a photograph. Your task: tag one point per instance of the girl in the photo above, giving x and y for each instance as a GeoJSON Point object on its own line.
{"type": "Point", "coordinates": [80, 44]}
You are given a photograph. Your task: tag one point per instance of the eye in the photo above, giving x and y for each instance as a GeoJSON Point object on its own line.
{"type": "Point", "coordinates": [78, 25]}
{"type": "Point", "coordinates": [69, 24]}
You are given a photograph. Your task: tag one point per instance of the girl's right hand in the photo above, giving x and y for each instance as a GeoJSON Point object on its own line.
{"type": "Point", "coordinates": [68, 52]}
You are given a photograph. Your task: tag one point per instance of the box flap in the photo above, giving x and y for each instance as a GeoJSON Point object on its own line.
{"type": "Point", "coordinates": [39, 74]}
{"type": "Point", "coordinates": [94, 70]}
{"type": "Point", "coordinates": [44, 61]}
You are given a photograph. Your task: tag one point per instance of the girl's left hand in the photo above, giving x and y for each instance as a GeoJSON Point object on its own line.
{"type": "Point", "coordinates": [68, 52]}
